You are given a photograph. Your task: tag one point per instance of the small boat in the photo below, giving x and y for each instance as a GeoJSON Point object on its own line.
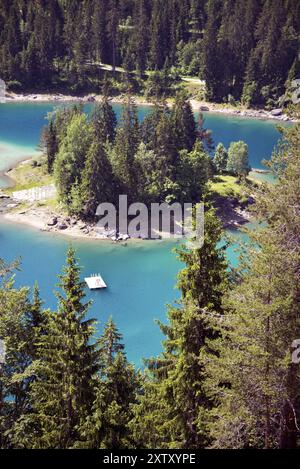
{"type": "Point", "coordinates": [95, 282]}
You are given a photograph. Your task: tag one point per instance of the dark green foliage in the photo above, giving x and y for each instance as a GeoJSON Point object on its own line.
{"type": "Point", "coordinates": [221, 158]}
{"type": "Point", "coordinates": [104, 121]}
{"type": "Point", "coordinates": [160, 159]}
{"type": "Point", "coordinates": [238, 162]}
{"type": "Point", "coordinates": [203, 280]}
{"type": "Point", "coordinates": [184, 122]}
{"type": "Point", "coordinates": [225, 378]}
{"type": "Point", "coordinates": [98, 183]}
{"type": "Point", "coordinates": [254, 378]}
{"type": "Point", "coordinates": [21, 324]}
{"type": "Point", "coordinates": [173, 413]}
{"type": "Point", "coordinates": [58, 388]}
{"type": "Point", "coordinates": [126, 145]}
{"type": "Point", "coordinates": [62, 391]}
{"type": "Point", "coordinates": [71, 157]}
{"type": "Point", "coordinates": [244, 49]}
{"type": "Point", "coordinates": [116, 391]}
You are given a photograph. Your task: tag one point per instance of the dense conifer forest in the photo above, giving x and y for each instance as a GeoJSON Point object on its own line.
{"type": "Point", "coordinates": [246, 50]}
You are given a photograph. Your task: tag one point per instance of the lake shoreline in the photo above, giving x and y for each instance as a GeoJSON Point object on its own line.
{"type": "Point", "coordinates": [45, 218]}
{"type": "Point", "coordinates": [198, 106]}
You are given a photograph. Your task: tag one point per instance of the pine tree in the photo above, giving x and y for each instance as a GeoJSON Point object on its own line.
{"type": "Point", "coordinates": [98, 183]}
{"type": "Point", "coordinates": [126, 144]}
{"type": "Point", "coordinates": [62, 393]}
{"type": "Point", "coordinates": [141, 35]}
{"type": "Point", "coordinates": [165, 146]}
{"type": "Point", "coordinates": [20, 321]}
{"type": "Point", "coordinates": [184, 122]}
{"type": "Point", "coordinates": [173, 413]}
{"type": "Point", "coordinates": [148, 180]}
{"type": "Point", "coordinates": [49, 140]}
{"type": "Point", "coordinates": [160, 29]}
{"type": "Point", "coordinates": [104, 121]}
{"type": "Point", "coordinates": [264, 75]}
{"type": "Point", "coordinates": [100, 37]}
{"type": "Point", "coordinates": [256, 381]}
{"type": "Point", "coordinates": [235, 47]}
{"type": "Point", "coordinates": [116, 391]}
{"type": "Point", "coordinates": [113, 30]}
{"type": "Point", "coordinates": [193, 172]}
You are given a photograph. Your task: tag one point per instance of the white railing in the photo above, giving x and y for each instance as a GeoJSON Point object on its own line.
{"type": "Point", "coordinates": [35, 194]}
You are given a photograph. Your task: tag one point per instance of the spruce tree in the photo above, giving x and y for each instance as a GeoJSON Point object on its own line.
{"type": "Point", "coordinates": [98, 184]}
{"type": "Point", "coordinates": [126, 144]}
{"type": "Point", "coordinates": [20, 322]}
{"type": "Point", "coordinates": [62, 393]}
{"type": "Point", "coordinates": [211, 58]}
{"type": "Point", "coordinates": [49, 140]}
{"type": "Point", "coordinates": [113, 30]}
{"type": "Point", "coordinates": [184, 122]}
{"type": "Point", "coordinates": [176, 404]}
{"type": "Point", "coordinates": [255, 379]}
{"type": "Point", "coordinates": [117, 386]}
{"type": "Point", "coordinates": [104, 121]}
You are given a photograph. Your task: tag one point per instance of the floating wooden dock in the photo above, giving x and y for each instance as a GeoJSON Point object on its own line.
{"type": "Point", "coordinates": [95, 282]}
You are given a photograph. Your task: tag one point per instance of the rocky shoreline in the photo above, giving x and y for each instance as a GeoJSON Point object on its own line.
{"type": "Point", "coordinates": [274, 114]}
{"type": "Point", "coordinates": [45, 219]}
{"type": "Point", "coordinates": [202, 106]}
{"type": "Point", "coordinates": [232, 214]}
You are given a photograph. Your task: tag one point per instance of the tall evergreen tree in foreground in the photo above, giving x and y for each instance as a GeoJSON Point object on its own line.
{"type": "Point", "coordinates": [256, 381]}
{"type": "Point", "coordinates": [116, 390]}
{"type": "Point", "coordinates": [61, 393]}
{"type": "Point", "coordinates": [173, 413]}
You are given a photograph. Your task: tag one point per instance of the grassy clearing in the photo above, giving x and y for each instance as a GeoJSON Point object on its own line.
{"type": "Point", "coordinates": [226, 186]}
{"type": "Point", "coordinates": [30, 174]}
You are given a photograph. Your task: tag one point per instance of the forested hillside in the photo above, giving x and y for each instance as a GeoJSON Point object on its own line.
{"type": "Point", "coordinates": [244, 49]}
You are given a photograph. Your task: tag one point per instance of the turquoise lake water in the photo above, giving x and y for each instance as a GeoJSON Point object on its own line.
{"type": "Point", "coordinates": [140, 276]}
{"type": "Point", "coordinates": [21, 124]}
